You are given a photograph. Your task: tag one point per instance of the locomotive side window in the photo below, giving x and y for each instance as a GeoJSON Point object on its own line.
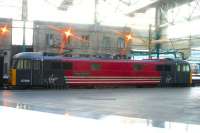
{"type": "Point", "coordinates": [56, 65]}
{"type": "Point", "coordinates": [52, 65]}
{"type": "Point", "coordinates": [137, 67]}
{"type": "Point", "coordinates": [167, 68]}
{"type": "Point", "coordinates": [163, 68]}
{"type": "Point", "coordinates": [159, 68]}
{"type": "Point", "coordinates": [67, 65]}
{"type": "Point", "coordinates": [95, 66]}
{"type": "Point", "coordinates": [36, 65]}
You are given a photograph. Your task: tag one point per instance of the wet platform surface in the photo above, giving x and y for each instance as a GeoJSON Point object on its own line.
{"type": "Point", "coordinates": [23, 121]}
{"type": "Point", "coordinates": [180, 105]}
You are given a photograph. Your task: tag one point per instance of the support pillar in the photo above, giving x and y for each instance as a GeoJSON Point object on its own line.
{"type": "Point", "coordinates": [158, 30]}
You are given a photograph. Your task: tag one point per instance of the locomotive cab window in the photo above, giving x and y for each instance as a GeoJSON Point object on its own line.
{"type": "Point", "coordinates": [20, 64]}
{"type": "Point", "coordinates": [163, 68]}
{"type": "Point", "coordinates": [23, 64]}
{"type": "Point", "coordinates": [178, 68]}
{"type": "Point", "coordinates": [137, 67]}
{"type": "Point", "coordinates": [27, 64]}
{"type": "Point", "coordinates": [186, 68]}
{"type": "Point", "coordinates": [50, 65]}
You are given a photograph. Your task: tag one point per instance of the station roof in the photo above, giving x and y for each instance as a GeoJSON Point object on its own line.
{"type": "Point", "coordinates": [74, 11]}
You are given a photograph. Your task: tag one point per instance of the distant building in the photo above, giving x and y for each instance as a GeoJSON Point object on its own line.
{"type": "Point", "coordinates": [100, 40]}
{"type": "Point", "coordinates": [6, 42]}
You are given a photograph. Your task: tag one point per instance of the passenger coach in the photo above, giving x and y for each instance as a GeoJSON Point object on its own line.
{"type": "Point", "coordinates": [39, 69]}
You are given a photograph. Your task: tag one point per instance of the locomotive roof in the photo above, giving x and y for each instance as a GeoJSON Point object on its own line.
{"type": "Point", "coordinates": [36, 56]}
{"type": "Point", "coordinates": [27, 55]}
{"type": "Point", "coordinates": [43, 56]}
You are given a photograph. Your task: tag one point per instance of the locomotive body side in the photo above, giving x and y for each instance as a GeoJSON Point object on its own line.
{"type": "Point", "coordinates": [111, 72]}
{"type": "Point", "coordinates": [35, 69]}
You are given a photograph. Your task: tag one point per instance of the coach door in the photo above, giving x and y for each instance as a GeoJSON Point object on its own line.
{"type": "Point", "coordinates": [36, 73]}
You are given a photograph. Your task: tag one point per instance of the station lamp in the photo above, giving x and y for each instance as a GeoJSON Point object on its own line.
{"type": "Point", "coordinates": [4, 29]}
{"type": "Point", "coordinates": [128, 38]}
{"type": "Point", "coordinates": [67, 33]}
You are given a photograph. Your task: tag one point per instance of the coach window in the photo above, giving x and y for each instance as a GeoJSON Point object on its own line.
{"type": "Point", "coordinates": [137, 67]}
{"type": "Point", "coordinates": [95, 67]}
{"type": "Point", "coordinates": [67, 65]}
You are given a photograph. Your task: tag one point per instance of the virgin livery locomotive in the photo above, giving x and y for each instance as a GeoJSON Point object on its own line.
{"type": "Point", "coordinates": [38, 69]}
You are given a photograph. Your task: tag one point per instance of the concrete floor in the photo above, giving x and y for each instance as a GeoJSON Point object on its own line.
{"type": "Point", "coordinates": [161, 104]}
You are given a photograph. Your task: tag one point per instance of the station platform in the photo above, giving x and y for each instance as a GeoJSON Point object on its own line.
{"type": "Point", "coordinates": [152, 110]}
{"type": "Point", "coordinates": [19, 120]}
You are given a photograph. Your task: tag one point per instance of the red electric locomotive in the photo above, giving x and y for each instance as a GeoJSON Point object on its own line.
{"type": "Point", "coordinates": [38, 69]}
